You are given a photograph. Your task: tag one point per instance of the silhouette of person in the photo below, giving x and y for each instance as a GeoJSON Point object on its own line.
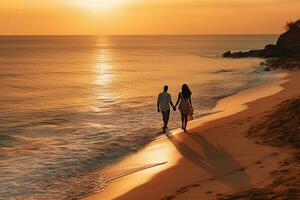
{"type": "Point", "coordinates": [163, 105]}
{"type": "Point", "coordinates": [185, 105]}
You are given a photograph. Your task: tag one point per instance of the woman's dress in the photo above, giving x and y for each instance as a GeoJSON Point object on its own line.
{"type": "Point", "coordinates": [184, 105]}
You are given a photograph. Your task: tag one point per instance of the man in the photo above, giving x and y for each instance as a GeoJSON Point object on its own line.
{"type": "Point", "coordinates": [163, 105]}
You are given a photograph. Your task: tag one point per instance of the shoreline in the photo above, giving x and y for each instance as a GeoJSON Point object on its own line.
{"type": "Point", "coordinates": [180, 153]}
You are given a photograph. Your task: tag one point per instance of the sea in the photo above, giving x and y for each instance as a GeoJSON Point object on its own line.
{"type": "Point", "coordinates": [71, 106]}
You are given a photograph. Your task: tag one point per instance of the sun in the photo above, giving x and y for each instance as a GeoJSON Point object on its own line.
{"type": "Point", "coordinates": [99, 5]}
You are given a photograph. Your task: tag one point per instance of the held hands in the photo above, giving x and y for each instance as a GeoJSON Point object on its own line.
{"type": "Point", "coordinates": [174, 108]}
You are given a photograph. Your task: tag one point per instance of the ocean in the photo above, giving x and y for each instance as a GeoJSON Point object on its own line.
{"type": "Point", "coordinates": [73, 105]}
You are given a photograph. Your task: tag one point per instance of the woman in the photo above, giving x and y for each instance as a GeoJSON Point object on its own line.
{"type": "Point", "coordinates": [185, 104]}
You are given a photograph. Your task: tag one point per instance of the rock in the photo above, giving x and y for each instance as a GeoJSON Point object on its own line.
{"type": "Point", "coordinates": [271, 50]}
{"type": "Point", "coordinates": [268, 69]}
{"type": "Point", "coordinates": [289, 42]}
{"type": "Point", "coordinates": [227, 54]}
{"type": "Point", "coordinates": [263, 64]}
{"type": "Point", "coordinates": [251, 53]}
{"type": "Point", "coordinates": [287, 45]}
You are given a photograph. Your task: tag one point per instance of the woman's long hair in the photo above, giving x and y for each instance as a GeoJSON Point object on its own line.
{"type": "Point", "coordinates": [186, 92]}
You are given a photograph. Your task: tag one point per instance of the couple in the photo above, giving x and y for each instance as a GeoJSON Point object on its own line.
{"type": "Point", "coordinates": [185, 106]}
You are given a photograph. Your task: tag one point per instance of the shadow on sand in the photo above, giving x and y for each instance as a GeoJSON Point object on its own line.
{"type": "Point", "coordinates": [215, 161]}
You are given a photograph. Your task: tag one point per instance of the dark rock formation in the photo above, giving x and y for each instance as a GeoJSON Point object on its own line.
{"type": "Point", "coordinates": [285, 63]}
{"type": "Point", "coordinates": [240, 54]}
{"type": "Point", "coordinates": [289, 42]}
{"type": "Point", "coordinates": [288, 45]}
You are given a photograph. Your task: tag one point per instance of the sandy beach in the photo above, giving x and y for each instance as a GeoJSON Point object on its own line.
{"type": "Point", "coordinates": [216, 158]}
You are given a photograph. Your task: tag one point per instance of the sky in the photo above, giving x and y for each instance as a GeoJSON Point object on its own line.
{"type": "Point", "coordinates": [134, 17]}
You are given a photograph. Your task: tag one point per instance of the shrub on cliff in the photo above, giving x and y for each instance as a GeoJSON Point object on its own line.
{"type": "Point", "coordinates": [293, 25]}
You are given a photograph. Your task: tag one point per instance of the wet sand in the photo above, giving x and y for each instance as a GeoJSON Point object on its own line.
{"type": "Point", "coordinates": [215, 159]}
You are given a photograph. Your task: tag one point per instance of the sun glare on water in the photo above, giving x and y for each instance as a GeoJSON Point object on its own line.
{"type": "Point", "coordinates": [99, 5]}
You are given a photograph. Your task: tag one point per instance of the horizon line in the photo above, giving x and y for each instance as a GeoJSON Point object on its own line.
{"type": "Point", "coordinates": [171, 34]}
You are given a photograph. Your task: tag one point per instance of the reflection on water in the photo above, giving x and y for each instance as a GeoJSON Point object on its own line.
{"type": "Point", "coordinates": [104, 69]}
{"type": "Point", "coordinates": [72, 105]}
{"type": "Point", "coordinates": [106, 93]}
{"type": "Point", "coordinates": [104, 76]}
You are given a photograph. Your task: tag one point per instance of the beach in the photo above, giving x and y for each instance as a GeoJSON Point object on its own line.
{"type": "Point", "coordinates": [219, 158]}
{"type": "Point", "coordinates": [77, 105]}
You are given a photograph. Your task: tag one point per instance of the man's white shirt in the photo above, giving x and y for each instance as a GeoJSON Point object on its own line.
{"type": "Point", "coordinates": [164, 100]}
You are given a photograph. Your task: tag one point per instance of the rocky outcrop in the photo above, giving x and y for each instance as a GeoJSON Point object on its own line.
{"type": "Point", "coordinates": [240, 54]}
{"type": "Point", "coordinates": [282, 63]}
{"type": "Point", "coordinates": [288, 45]}
{"type": "Point", "coordinates": [289, 42]}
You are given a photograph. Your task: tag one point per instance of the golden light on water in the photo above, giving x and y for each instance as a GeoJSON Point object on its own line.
{"type": "Point", "coordinates": [104, 76]}
{"type": "Point", "coordinates": [103, 69]}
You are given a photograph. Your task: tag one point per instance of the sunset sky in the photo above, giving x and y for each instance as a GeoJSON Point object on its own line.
{"type": "Point", "coordinates": [39, 17]}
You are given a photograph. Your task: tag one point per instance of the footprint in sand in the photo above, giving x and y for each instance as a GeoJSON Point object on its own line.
{"type": "Point", "coordinates": [196, 184]}
{"type": "Point", "coordinates": [285, 162]}
{"type": "Point", "coordinates": [168, 198]}
{"type": "Point", "coordinates": [284, 170]}
{"type": "Point", "coordinates": [182, 189]}
{"type": "Point", "coordinates": [241, 169]}
{"type": "Point", "coordinates": [274, 154]}
{"type": "Point", "coordinates": [258, 162]}
{"type": "Point", "coordinates": [230, 173]}
{"type": "Point", "coordinates": [208, 179]}
{"type": "Point", "coordinates": [275, 172]}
